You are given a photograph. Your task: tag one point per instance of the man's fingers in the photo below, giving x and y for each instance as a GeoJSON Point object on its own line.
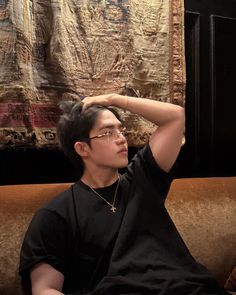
{"type": "Point", "coordinates": [86, 103]}
{"type": "Point", "coordinates": [104, 99]}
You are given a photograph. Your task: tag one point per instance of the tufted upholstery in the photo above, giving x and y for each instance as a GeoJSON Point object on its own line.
{"type": "Point", "coordinates": [203, 209]}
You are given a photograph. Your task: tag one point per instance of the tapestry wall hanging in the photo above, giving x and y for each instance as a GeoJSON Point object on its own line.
{"type": "Point", "coordinates": [64, 49]}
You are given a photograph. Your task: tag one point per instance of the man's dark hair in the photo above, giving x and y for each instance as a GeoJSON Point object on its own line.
{"type": "Point", "coordinates": [75, 125]}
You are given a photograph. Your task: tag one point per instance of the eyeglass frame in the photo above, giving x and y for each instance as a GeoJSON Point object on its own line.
{"type": "Point", "coordinates": [108, 133]}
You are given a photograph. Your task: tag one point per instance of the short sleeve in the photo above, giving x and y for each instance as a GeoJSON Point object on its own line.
{"type": "Point", "coordinates": [145, 169]}
{"type": "Point", "coordinates": [46, 240]}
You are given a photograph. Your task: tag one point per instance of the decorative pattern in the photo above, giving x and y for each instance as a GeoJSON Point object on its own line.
{"type": "Point", "coordinates": [64, 49]}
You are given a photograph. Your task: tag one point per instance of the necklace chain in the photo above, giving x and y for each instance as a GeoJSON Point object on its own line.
{"type": "Point", "coordinates": [113, 208]}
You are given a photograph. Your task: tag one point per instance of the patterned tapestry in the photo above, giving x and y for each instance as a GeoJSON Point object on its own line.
{"type": "Point", "coordinates": [65, 49]}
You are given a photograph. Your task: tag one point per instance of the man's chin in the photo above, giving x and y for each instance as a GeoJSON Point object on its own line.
{"type": "Point", "coordinates": [123, 165]}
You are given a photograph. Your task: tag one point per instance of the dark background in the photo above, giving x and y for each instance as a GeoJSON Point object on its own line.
{"type": "Point", "coordinates": [210, 149]}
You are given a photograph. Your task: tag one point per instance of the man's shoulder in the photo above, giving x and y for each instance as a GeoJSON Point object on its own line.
{"type": "Point", "coordinates": [61, 201]}
{"type": "Point", "coordinates": [68, 201]}
{"type": "Point", "coordinates": [145, 172]}
{"type": "Point", "coordinates": [142, 155]}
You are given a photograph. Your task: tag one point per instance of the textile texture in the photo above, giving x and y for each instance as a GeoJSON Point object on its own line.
{"type": "Point", "coordinates": [64, 49]}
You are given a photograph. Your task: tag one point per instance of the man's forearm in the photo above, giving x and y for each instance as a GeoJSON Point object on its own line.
{"type": "Point", "coordinates": [159, 113]}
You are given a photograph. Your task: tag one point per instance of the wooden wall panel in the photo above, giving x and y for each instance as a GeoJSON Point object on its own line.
{"type": "Point", "coordinates": [210, 94]}
{"type": "Point", "coordinates": [223, 95]}
{"type": "Point", "coordinates": [192, 39]}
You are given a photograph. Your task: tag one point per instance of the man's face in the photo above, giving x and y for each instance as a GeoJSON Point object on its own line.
{"type": "Point", "coordinates": [109, 151]}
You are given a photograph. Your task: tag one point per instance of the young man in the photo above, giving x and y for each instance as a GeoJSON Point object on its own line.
{"type": "Point", "coordinates": [111, 233]}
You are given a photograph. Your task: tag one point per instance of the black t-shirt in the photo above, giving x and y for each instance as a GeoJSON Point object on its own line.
{"type": "Point", "coordinates": [136, 250]}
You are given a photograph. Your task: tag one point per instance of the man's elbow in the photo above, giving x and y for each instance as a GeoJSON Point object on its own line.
{"type": "Point", "coordinates": [180, 116]}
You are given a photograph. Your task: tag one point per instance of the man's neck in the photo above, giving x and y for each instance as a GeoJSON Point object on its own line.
{"type": "Point", "coordinates": [99, 178]}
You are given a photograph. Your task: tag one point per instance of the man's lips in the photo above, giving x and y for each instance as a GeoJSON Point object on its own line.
{"type": "Point", "coordinates": [124, 150]}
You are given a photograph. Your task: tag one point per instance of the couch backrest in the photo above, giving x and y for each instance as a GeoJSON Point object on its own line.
{"type": "Point", "coordinates": [17, 205]}
{"type": "Point", "coordinates": [202, 209]}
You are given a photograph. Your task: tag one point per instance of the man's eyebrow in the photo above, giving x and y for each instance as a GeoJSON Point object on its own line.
{"type": "Point", "coordinates": [110, 126]}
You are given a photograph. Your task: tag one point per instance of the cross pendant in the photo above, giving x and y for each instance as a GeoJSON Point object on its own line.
{"type": "Point", "coordinates": [113, 209]}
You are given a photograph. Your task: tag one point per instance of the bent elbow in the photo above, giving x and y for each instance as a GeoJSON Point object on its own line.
{"type": "Point", "coordinates": [180, 116]}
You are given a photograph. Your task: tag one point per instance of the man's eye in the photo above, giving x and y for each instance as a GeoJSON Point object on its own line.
{"type": "Point", "coordinates": [108, 132]}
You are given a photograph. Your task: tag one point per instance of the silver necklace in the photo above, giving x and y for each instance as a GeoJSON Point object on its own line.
{"type": "Point", "coordinates": [113, 208]}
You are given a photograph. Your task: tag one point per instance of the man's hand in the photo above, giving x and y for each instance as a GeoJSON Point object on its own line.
{"type": "Point", "coordinates": [104, 99]}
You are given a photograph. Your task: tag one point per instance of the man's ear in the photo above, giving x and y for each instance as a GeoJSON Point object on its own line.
{"type": "Point", "coordinates": [81, 148]}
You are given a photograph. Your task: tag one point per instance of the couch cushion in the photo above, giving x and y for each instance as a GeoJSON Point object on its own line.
{"type": "Point", "coordinates": [203, 210]}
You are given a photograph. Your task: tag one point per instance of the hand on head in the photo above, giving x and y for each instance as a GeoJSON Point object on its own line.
{"type": "Point", "coordinates": [104, 99]}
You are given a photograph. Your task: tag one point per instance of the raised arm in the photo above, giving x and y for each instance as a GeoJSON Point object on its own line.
{"type": "Point", "coordinates": [166, 140]}
{"type": "Point", "coordinates": [46, 280]}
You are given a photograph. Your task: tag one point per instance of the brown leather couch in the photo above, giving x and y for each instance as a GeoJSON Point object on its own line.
{"type": "Point", "coordinates": [203, 209]}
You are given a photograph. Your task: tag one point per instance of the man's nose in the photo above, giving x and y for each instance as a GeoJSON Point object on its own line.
{"type": "Point", "coordinates": [120, 136]}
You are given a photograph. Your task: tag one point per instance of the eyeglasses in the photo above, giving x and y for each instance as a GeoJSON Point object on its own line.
{"type": "Point", "coordinates": [111, 134]}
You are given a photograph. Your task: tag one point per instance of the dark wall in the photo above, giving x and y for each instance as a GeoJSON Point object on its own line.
{"type": "Point", "coordinates": [37, 166]}
{"type": "Point", "coordinates": [210, 28]}
{"type": "Point", "coordinates": [34, 166]}
{"type": "Point", "coordinates": [210, 147]}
